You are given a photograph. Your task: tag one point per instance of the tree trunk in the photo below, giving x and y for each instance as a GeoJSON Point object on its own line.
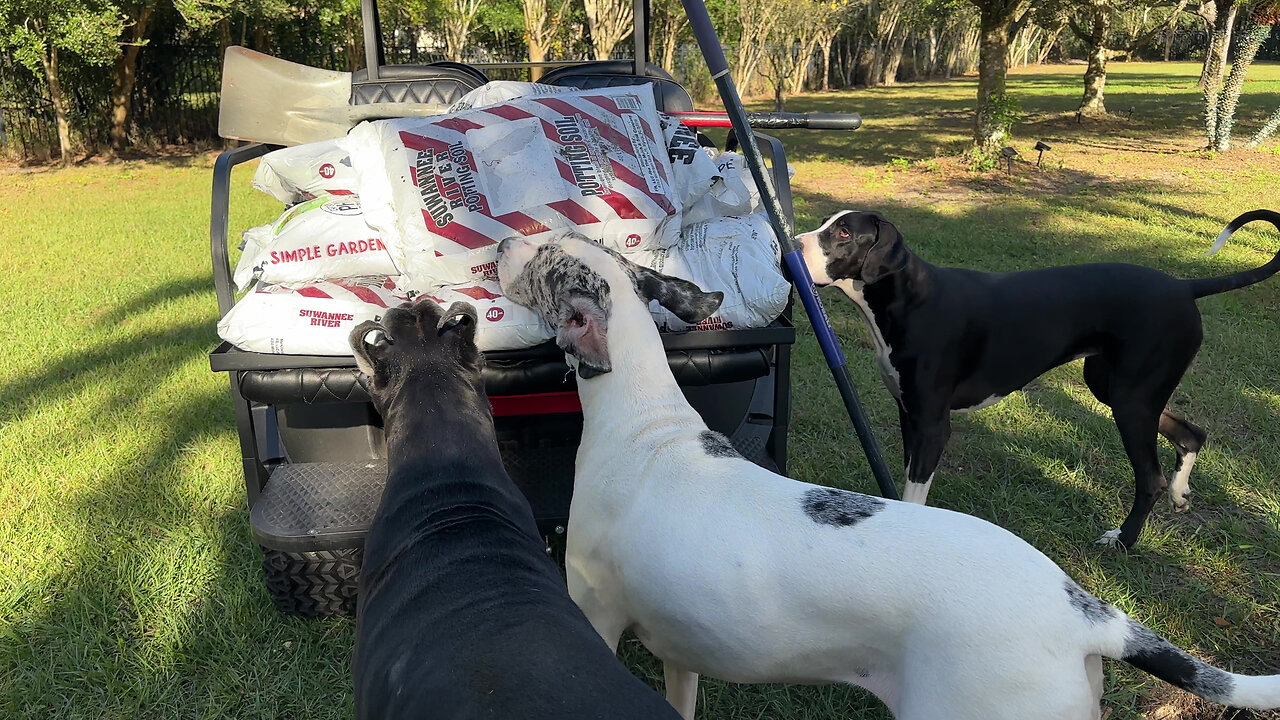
{"type": "Point", "coordinates": [1095, 76]}
{"type": "Point", "coordinates": [1266, 131]}
{"type": "Point", "coordinates": [1246, 50]}
{"type": "Point", "coordinates": [993, 53]}
{"type": "Point", "coordinates": [1049, 43]}
{"type": "Point", "coordinates": [609, 22]}
{"type": "Point", "coordinates": [224, 36]}
{"type": "Point", "coordinates": [1215, 57]}
{"type": "Point", "coordinates": [826, 64]}
{"type": "Point", "coordinates": [1215, 68]}
{"type": "Point", "coordinates": [779, 102]}
{"type": "Point", "coordinates": [893, 58]}
{"type": "Point", "coordinates": [933, 51]}
{"type": "Point", "coordinates": [1168, 43]}
{"type": "Point", "coordinates": [49, 58]}
{"type": "Point", "coordinates": [123, 77]}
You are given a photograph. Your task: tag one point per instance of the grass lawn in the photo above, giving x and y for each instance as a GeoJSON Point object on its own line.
{"type": "Point", "coordinates": [129, 585]}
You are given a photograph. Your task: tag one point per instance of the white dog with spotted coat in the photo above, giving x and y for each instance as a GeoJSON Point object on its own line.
{"type": "Point", "coordinates": [723, 568]}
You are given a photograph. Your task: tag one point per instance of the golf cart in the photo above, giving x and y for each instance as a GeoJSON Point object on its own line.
{"type": "Point", "coordinates": [311, 442]}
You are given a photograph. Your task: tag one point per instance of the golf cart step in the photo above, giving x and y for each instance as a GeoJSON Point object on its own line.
{"type": "Point", "coordinates": [310, 507]}
{"type": "Point", "coordinates": [307, 507]}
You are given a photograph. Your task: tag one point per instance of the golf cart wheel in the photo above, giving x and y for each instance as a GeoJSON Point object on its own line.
{"type": "Point", "coordinates": [313, 584]}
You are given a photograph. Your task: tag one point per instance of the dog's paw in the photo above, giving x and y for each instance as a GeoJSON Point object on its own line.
{"type": "Point", "coordinates": [1181, 504]}
{"type": "Point", "coordinates": [1111, 538]}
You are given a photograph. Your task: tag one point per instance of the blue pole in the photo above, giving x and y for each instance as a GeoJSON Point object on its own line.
{"type": "Point", "coordinates": [709, 42]}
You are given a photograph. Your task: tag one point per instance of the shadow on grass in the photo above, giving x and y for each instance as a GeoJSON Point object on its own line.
{"type": "Point", "coordinates": [158, 607]}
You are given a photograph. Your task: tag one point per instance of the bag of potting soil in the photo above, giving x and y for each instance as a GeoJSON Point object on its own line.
{"type": "Point", "coordinates": [443, 191]}
{"type": "Point", "coordinates": [498, 91]}
{"type": "Point", "coordinates": [294, 174]}
{"type": "Point", "coordinates": [693, 170]}
{"type": "Point", "coordinates": [738, 256]}
{"type": "Point", "coordinates": [503, 324]}
{"type": "Point", "coordinates": [310, 319]}
{"type": "Point", "coordinates": [319, 239]}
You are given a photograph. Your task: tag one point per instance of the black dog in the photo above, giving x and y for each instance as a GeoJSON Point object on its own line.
{"type": "Point", "coordinates": [461, 612]}
{"type": "Point", "coordinates": [950, 339]}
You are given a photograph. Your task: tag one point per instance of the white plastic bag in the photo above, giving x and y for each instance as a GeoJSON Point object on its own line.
{"type": "Point", "coordinates": [737, 256]}
{"type": "Point", "coordinates": [498, 91]}
{"type": "Point", "coordinates": [302, 172]}
{"type": "Point", "coordinates": [732, 194]}
{"type": "Point", "coordinates": [443, 191]}
{"type": "Point", "coordinates": [503, 324]}
{"type": "Point", "coordinates": [311, 319]}
{"type": "Point", "coordinates": [316, 240]}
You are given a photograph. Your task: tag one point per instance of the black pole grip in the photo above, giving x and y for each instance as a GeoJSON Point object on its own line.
{"type": "Point", "coordinates": [812, 121]}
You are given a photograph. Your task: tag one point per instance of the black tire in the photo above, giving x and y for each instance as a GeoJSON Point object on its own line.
{"type": "Point", "coordinates": [313, 584]}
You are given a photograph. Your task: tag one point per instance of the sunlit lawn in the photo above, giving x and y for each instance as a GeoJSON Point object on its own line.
{"type": "Point", "coordinates": [129, 585]}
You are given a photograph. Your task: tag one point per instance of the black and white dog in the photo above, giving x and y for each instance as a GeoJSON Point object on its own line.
{"type": "Point", "coordinates": [461, 612]}
{"type": "Point", "coordinates": [724, 568]}
{"type": "Point", "coordinates": [951, 339]}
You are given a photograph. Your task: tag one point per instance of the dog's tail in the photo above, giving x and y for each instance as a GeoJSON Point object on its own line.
{"type": "Point", "coordinates": [1213, 286]}
{"type": "Point", "coordinates": [1119, 636]}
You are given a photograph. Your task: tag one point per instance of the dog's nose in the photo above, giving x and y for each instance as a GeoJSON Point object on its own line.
{"type": "Point", "coordinates": [508, 243]}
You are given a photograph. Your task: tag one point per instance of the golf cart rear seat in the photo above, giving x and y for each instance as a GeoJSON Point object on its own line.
{"type": "Point", "coordinates": [312, 445]}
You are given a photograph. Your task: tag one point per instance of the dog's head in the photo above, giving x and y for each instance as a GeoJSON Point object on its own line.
{"type": "Point", "coordinates": [853, 245]}
{"type": "Point", "coordinates": [576, 284]}
{"type": "Point", "coordinates": [417, 343]}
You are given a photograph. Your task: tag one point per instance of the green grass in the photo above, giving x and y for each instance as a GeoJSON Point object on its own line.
{"type": "Point", "coordinates": [129, 585]}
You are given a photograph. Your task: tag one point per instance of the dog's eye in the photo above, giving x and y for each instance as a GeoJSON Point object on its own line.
{"type": "Point", "coordinates": [844, 233]}
{"type": "Point", "coordinates": [376, 337]}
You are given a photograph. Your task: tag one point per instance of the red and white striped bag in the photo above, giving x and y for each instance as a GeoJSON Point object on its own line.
{"type": "Point", "coordinates": [502, 324]}
{"type": "Point", "coordinates": [443, 191]}
{"type": "Point", "coordinates": [312, 319]}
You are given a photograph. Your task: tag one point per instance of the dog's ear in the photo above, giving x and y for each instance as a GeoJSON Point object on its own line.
{"type": "Point", "coordinates": [887, 255]}
{"type": "Point", "coordinates": [461, 318]}
{"type": "Point", "coordinates": [582, 333]}
{"type": "Point", "coordinates": [684, 299]}
{"type": "Point", "coordinates": [368, 342]}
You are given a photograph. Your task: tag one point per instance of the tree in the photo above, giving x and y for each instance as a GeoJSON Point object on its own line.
{"type": "Point", "coordinates": [669, 25]}
{"type": "Point", "coordinates": [125, 72]}
{"type": "Point", "coordinates": [540, 29]}
{"type": "Point", "coordinates": [789, 51]}
{"type": "Point", "coordinates": [44, 34]}
{"type": "Point", "coordinates": [831, 20]}
{"type": "Point", "coordinates": [1096, 32]}
{"type": "Point", "coordinates": [458, 17]}
{"type": "Point", "coordinates": [1220, 106]}
{"type": "Point", "coordinates": [995, 20]}
{"type": "Point", "coordinates": [759, 20]}
{"type": "Point", "coordinates": [609, 22]}
{"type": "Point", "coordinates": [1219, 17]}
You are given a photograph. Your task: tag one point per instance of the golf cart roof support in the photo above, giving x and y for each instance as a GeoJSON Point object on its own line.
{"type": "Point", "coordinates": [374, 57]}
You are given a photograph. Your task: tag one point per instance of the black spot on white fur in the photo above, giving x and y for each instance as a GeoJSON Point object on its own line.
{"type": "Point", "coordinates": [839, 508]}
{"type": "Point", "coordinates": [1148, 651]}
{"type": "Point", "coordinates": [717, 445]}
{"type": "Point", "coordinates": [1093, 609]}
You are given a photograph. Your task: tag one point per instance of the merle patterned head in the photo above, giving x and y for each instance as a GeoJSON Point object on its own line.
{"type": "Point", "coordinates": [417, 344]}
{"type": "Point", "coordinates": [575, 284]}
{"type": "Point", "coordinates": [853, 245]}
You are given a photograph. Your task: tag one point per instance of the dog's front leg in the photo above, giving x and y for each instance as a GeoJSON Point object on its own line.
{"type": "Point", "coordinates": [682, 689]}
{"type": "Point", "coordinates": [928, 438]}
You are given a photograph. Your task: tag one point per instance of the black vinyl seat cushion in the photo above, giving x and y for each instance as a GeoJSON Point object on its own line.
{"type": "Point", "coordinates": [440, 84]}
{"type": "Point", "coordinates": [669, 94]}
{"type": "Point", "coordinates": [512, 375]}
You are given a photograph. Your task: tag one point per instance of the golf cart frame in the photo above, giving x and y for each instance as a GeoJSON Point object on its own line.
{"type": "Point", "coordinates": [311, 443]}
